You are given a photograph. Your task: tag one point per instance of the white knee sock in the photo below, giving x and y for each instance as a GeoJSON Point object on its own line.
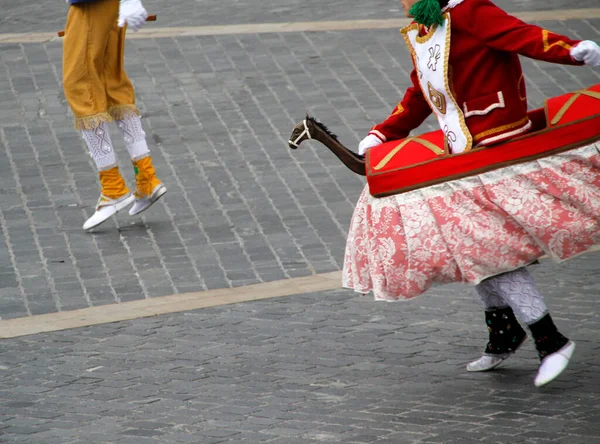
{"type": "Point", "coordinates": [516, 289]}
{"type": "Point", "coordinates": [134, 136]}
{"type": "Point", "coordinates": [100, 146]}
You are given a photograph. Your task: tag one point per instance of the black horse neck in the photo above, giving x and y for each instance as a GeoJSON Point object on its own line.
{"type": "Point", "coordinates": [353, 161]}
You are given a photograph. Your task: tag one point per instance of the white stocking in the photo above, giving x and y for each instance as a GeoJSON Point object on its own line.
{"type": "Point", "coordinates": [515, 289]}
{"type": "Point", "coordinates": [134, 137]}
{"type": "Point", "coordinates": [100, 146]}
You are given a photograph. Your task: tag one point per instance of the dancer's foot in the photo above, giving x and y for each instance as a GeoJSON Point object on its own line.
{"type": "Point", "coordinates": [143, 203]}
{"type": "Point", "coordinates": [554, 364]}
{"type": "Point", "coordinates": [553, 348]}
{"type": "Point", "coordinates": [506, 336]}
{"type": "Point", "coordinates": [489, 362]}
{"type": "Point", "coordinates": [148, 189]}
{"type": "Point", "coordinates": [106, 208]}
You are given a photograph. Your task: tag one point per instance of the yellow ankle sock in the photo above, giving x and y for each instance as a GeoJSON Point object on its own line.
{"type": "Point", "coordinates": [113, 184]}
{"type": "Point", "coordinates": [145, 177]}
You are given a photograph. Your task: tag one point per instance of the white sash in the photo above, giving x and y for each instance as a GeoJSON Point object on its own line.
{"type": "Point", "coordinates": [431, 53]}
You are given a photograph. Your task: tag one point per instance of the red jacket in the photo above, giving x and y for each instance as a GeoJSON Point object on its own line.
{"type": "Point", "coordinates": [485, 73]}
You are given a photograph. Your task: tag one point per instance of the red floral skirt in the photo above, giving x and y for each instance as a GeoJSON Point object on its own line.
{"type": "Point", "coordinates": [470, 229]}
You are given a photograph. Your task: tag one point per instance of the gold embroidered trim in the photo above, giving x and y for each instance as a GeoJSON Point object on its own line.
{"type": "Point", "coordinates": [399, 109]}
{"type": "Point", "coordinates": [425, 38]}
{"type": "Point", "coordinates": [437, 98]}
{"type": "Point", "coordinates": [122, 112]}
{"type": "Point", "coordinates": [485, 169]}
{"type": "Point", "coordinates": [463, 125]}
{"type": "Point", "coordinates": [426, 143]}
{"type": "Point", "coordinates": [91, 122]}
{"type": "Point", "coordinates": [548, 46]}
{"type": "Point", "coordinates": [576, 95]}
{"type": "Point", "coordinates": [522, 79]}
{"type": "Point", "coordinates": [500, 129]}
{"type": "Point", "coordinates": [461, 116]}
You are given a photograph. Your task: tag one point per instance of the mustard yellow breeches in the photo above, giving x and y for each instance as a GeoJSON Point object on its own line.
{"type": "Point", "coordinates": [94, 78]}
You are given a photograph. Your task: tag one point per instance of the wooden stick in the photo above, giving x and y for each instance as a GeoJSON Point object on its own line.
{"type": "Point", "coordinates": [151, 18]}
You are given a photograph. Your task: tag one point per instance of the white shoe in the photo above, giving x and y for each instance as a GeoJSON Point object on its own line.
{"type": "Point", "coordinates": [106, 208]}
{"type": "Point", "coordinates": [554, 364]}
{"type": "Point", "coordinates": [143, 203]}
{"type": "Point", "coordinates": [486, 362]}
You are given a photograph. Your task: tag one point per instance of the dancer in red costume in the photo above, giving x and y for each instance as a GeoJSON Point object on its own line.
{"type": "Point", "coordinates": [467, 72]}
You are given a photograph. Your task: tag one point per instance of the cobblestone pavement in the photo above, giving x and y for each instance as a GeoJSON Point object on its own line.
{"type": "Point", "coordinates": [218, 110]}
{"type": "Point", "coordinates": [49, 15]}
{"type": "Point", "coordinates": [328, 367]}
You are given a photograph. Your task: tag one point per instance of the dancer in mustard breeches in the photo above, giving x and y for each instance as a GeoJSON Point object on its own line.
{"type": "Point", "coordinates": [99, 91]}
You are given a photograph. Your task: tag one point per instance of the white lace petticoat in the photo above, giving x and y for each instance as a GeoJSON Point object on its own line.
{"type": "Point", "coordinates": [470, 229]}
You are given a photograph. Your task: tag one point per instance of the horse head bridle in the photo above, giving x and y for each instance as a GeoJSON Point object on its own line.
{"type": "Point", "coordinates": [296, 142]}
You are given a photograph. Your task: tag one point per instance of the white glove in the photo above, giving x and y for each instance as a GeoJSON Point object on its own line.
{"type": "Point", "coordinates": [587, 52]}
{"type": "Point", "coordinates": [368, 142]}
{"type": "Point", "coordinates": [133, 13]}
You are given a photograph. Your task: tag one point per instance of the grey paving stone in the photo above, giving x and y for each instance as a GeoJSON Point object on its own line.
{"type": "Point", "coordinates": [222, 374]}
{"type": "Point", "coordinates": [241, 209]}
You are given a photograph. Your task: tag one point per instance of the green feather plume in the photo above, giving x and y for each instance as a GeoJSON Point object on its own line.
{"type": "Point", "coordinates": [427, 12]}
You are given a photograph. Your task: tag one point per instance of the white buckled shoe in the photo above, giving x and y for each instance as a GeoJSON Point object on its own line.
{"type": "Point", "coordinates": [107, 207]}
{"type": "Point", "coordinates": [143, 203]}
{"type": "Point", "coordinates": [554, 364]}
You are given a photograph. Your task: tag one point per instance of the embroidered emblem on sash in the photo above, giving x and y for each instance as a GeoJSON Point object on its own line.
{"type": "Point", "coordinates": [434, 56]}
{"type": "Point", "coordinates": [417, 65]}
{"type": "Point", "coordinates": [437, 98]}
{"type": "Point", "coordinates": [450, 137]}
{"type": "Point", "coordinates": [431, 53]}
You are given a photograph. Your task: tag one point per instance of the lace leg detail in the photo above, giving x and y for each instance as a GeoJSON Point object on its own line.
{"type": "Point", "coordinates": [517, 288]}
{"type": "Point", "coordinates": [134, 137]}
{"type": "Point", "coordinates": [489, 296]}
{"type": "Point", "coordinates": [100, 146]}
